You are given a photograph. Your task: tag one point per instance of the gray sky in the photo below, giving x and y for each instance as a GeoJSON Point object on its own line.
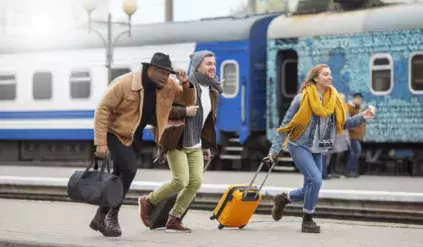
{"type": "Point", "coordinates": [153, 10]}
{"type": "Point", "coordinates": [46, 15]}
{"type": "Point", "coordinates": [30, 15]}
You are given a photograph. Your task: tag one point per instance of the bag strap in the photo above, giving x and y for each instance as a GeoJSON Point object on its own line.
{"type": "Point", "coordinates": [90, 165]}
{"type": "Point", "coordinates": [94, 161]}
{"type": "Point", "coordinates": [106, 163]}
{"type": "Point", "coordinates": [208, 163]}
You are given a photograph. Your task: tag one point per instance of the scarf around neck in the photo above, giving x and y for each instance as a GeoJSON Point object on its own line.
{"type": "Point", "coordinates": [311, 104]}
{"type": "Point", "coordinates": [203, 80]}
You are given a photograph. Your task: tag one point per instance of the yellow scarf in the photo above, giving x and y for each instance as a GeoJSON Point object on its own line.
{"type": "Point", "coordinates": [311, 104]}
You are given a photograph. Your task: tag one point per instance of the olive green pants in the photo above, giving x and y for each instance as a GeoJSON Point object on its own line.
{"type": "Point", "coordinates": [187, 167]}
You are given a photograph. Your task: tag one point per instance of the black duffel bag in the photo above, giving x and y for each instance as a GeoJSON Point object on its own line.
{"type": "Point", "coordinates": [96, 187]}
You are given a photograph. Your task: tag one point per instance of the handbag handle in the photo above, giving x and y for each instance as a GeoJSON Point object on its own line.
{"type": "Point", "coordinates": [105, 164]}
{"type": "Point", "coordinates": [94, 162]}
{"type": "Point", "coordinates": [90, 165]}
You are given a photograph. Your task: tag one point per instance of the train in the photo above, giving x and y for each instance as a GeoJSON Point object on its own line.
{"type": "Point", "coordinates": [377, 52]}
{"type": "Point", "coordinates": [50, 85]}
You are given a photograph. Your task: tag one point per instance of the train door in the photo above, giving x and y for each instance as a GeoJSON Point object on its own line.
{"type": "Point", "coordinates": [230, 113]}
{"type": "Point", "coordinates": [287, 80]}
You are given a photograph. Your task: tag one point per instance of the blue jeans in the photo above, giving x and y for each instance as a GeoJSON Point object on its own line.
{"type": "Point", "coordinates": [354, 155]}
{"type": "Point", "coordinates": [310, 165]}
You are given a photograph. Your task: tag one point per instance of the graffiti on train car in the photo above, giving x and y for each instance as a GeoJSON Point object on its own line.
{"type": "Point", "coordinates": [399, 110]}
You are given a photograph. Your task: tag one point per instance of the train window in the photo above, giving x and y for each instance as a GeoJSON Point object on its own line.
{"type": "Point", "coordinates": [7, 86]}
{"type": "Point", "coordinates": [116, 72]}
{"type": "Point", "coordinates": [382, 78]}
{"type": "Point", "coordinates": [80, 84]}
{"type": "Point", "coordinates": [289, 79]}
{"type": "Point", "coordinates": [229, 71]}
{"type": "Point", "coordinates": [42, 85]}
{"type": "Point", "coordinates": [416, 73]}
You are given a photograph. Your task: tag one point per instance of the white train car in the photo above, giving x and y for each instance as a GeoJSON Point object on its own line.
{"type": "Point", "coordinates": [49, 88]}
{"type": "Point", "coordinates": [50, 85]}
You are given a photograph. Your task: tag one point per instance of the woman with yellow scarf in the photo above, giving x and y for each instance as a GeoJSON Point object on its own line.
{"type": "Point", "coordinates": [315, 116]}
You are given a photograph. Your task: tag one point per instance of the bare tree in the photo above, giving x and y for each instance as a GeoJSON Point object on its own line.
{"type": "Point", "coordinates": [271, 6]}
{"type": "Point", "coordinates": [241, 9]}
{"type": "Point", "coordinates": [259, 6]}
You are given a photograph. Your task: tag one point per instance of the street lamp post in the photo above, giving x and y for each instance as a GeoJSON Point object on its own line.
{"type": "Point", "coordinates": [129, 7]}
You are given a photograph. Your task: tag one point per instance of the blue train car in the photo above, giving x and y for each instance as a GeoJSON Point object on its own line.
{"type": "Point", "coordinates": [241, 111]}
{"type": "Point", "coordinates": [50, 85]}
{"type": "Point", "coordinates": [377, 52]}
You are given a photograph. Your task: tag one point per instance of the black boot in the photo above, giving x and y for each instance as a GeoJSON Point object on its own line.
{"type": "Point", "coordinates": [309, 225]}
{"type": "Point", "coordinates": [279, 203]}
{"type": "Point", "coordinates": [112, 224]}
{"type": "Point", "coordinates": [97, 224]}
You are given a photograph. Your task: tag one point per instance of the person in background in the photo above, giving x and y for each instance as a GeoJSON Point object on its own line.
{"type": "Point", "coordinates": [333, 158]}
{"type": "Point", "coordinates": [356, 137]}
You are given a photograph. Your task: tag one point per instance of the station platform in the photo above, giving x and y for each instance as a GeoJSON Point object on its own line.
{"type": "Point", "coordinates": [367, 198]}
{"type": "Point", "coordinates": [62, 224]}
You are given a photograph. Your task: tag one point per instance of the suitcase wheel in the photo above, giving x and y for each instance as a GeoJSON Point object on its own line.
{"type": "Point", "coordinates": [220, 226]}
{"type": "Point", "coordinates": [242, 226]}
{"type": "Point", "coordinates": [213, 217]}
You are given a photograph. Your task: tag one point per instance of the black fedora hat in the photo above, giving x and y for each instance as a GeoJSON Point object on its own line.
{"type": "Point", "coordinates": [162, 61]}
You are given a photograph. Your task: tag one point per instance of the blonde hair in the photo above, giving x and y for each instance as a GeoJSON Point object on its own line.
{"type": "Point", "coordinates": [313, 73]}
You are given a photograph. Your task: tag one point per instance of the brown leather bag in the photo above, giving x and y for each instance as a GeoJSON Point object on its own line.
{"type": "Point", "coordinates": [172, 133]}
{"type": "Point", "coordinates": [170, 138]}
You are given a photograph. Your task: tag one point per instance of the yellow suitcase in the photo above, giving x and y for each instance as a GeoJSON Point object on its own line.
{"type": "Point", "coordinates": [239, 202]}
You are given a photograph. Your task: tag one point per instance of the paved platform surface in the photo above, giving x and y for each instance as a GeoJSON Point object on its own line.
{"type": "Point", "coordinates": [66, 224]}
{"type": "Point", "coordinates": [277, 179]}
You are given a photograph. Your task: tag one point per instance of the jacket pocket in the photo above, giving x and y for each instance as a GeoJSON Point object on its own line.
{"type": "Point", "coordinates": [129, 103]}
{"type": "Point", "coordinates": [117, 119]}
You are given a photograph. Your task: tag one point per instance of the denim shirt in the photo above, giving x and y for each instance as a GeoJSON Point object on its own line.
{"type": "Point", "coordinates": [307, 138]}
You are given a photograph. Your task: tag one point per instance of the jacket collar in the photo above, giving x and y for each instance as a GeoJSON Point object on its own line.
{"type": "Point", "coordinates": [137, 81]}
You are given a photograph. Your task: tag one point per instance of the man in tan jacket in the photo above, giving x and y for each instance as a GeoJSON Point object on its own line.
{"type": "Point", "coordinates": [132, 101]}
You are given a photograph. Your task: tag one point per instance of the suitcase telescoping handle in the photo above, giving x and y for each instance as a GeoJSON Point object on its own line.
{"type": "Point", "coordinates": [266, 159]}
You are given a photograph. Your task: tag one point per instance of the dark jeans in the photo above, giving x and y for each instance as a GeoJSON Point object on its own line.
{"type": "Point", "coordinates": [125, 164]}
{"type": "Point", "coordinates": [354, 155]}
{"type": "Point", "coordinates": [332, 163]}
{"type": "Point", "coordinates": [326, 157]}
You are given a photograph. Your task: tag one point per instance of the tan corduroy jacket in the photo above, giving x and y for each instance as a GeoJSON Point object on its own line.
{"type": "Point", "coordinates": [120, 109]}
